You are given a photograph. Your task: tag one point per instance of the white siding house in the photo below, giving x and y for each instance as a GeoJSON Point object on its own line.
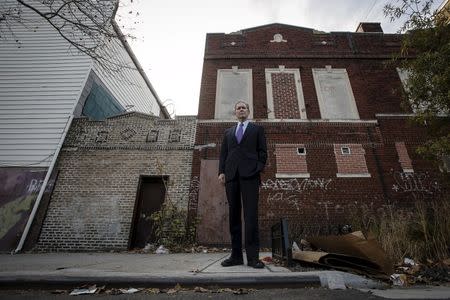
{"type": "Point", "coordinates": [44, 83]}
{"type": "Point", "coordinates": [41, 81]}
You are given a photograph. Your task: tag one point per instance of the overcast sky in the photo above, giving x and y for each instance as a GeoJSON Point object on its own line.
{"type": "Point", "coordinates": [171, 33]}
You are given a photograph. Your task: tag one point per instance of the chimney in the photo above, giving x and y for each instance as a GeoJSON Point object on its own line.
{"type": "Point", "coordinates": [369, 27]}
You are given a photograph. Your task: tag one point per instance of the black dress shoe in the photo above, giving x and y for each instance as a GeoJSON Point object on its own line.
{"type": "Point", "coordinates": [256, 264]}
{"type": "Point", "coordinates": [229, 262]}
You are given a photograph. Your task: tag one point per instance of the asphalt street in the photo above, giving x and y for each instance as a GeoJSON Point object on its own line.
{"type": "Point", "coordinates": [241, 294]}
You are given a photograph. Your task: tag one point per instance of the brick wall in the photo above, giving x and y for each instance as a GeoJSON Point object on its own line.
{"type": "Point", "coordinates": [285, 96]}
{"type": "Point", "coordinates": [403, 157]}
{"type": "Point", "coordinates": [324, 198]}
{"type": "Point", "coordinates": [291, 163]}
{"type": "Point", "coordinates": [350, 159]}
{"type": "Point", "coordinates": [91, 208]}
{"type": "Point", "coordinates": [376, 87]}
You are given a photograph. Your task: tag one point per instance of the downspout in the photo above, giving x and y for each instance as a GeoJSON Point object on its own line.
{"type": "Point", "coordinates": [378, 164]}
{"type": "Point", "coordinates": [43, 187]}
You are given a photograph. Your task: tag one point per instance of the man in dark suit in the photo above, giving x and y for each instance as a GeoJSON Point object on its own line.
{"type": "Point", "coordinates": [243, 156]}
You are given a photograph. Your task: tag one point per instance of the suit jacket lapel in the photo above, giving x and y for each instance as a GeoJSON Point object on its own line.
{"type": "Point", "coordinates": [247, 131]}
{"type": "Point", "coordinates": [233, 134]}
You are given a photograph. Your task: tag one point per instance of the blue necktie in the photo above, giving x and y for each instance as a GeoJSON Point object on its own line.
{"type": "Point", "coordinates": [240, 133]}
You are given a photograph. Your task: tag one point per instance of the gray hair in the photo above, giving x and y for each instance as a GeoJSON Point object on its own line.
{"type": "Point", "coordinates": [241, 101]}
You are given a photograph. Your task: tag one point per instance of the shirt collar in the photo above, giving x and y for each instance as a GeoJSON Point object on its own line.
{"type": "Point", "coordinates": [245, 123]}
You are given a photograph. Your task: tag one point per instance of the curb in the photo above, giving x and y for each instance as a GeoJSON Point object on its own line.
{"type": "Point", "coordinates": [162, 281]}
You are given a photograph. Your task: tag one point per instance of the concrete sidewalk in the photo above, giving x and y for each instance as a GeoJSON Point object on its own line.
{"type": "Point", "coordinates": [52, 270]}
{"type": "Point", "coordinates": [160, 270]}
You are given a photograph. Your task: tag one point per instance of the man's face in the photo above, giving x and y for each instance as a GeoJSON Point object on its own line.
{"type": "Point", "coordinates": [241, 111]}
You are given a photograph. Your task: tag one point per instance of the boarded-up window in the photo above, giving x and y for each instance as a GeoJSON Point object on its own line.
{"type": "Point", "coordinates": [350, 160]}
{"type": "Point", "coordinates": [291, 161]}
{"type": "Point", "coordinates": [421, 106]}
{"type": "Point", "coordinates": [284, 94]}
{"type": "Point", "coordinates": [403, 74]}
{"type": "Point", "coordinates": [403, 157]}
{"type": "Point", "coordinates": [335, 95]}
{"type": "Point", "coordinates": [232, 85]}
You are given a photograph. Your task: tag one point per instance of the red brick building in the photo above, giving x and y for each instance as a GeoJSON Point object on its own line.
{"type": "Point", "coordinates": [338, 140]}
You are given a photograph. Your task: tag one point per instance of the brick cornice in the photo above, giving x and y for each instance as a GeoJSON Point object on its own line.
{"type": "Point", "coordinates": [125, 147]}
{"type": "Point", "coordinates": [315, 55]}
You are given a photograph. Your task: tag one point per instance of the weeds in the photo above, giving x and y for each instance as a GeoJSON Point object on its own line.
{"type": "Point", "coordinates": [421, 233]}
{"type": "Point", "coordinates": [171, 228]}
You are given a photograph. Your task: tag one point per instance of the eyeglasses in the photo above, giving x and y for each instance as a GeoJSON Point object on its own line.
{"type": "Point", "coordinates": [241, 107]}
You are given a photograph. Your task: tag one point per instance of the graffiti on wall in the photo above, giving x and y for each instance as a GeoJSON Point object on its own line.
{"type": "Point", "coordinates": [294, 185]}
{"type": "Point", "coordinates": [274, 198]}
{"type": "Point", "coordinates": [414, 183]}
{"type": "Point", "coordinates": [289, 190]}
{"type": "Point", "coordinates": [17, 195]}
{"type": "Point", "coordinates": [193, 193]}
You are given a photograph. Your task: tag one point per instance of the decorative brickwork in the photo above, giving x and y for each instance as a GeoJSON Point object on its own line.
{"type": "Point", "coordinates": [91, 208]}
{"type": "Point", "coordinates": [285, 96]}
{"type": "Point", "coordinates": [403, 157]}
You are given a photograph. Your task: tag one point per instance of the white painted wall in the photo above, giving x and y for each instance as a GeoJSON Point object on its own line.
{"type": "Point", "coordinates": [41, 80]}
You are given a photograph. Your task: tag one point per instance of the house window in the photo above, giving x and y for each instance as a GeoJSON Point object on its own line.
{"type": "Point", "coordinates": [350, 160]}
{"type": "Point", "coordinates": [284, 94]}
{"type": "Point", "coordinates": [291, 161]}
{"type": "Point", "coordinates": [232, 85]}
{"type": "Point", "coordinates": [100, 104]}
{"type": "Point", "coordinates": [335, 95]}
{"type": "Point", "coordinates": [345, 150]}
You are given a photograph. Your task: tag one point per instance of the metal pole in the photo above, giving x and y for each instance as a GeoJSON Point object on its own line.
{"type": "Point", "coordinates": [43, 187]}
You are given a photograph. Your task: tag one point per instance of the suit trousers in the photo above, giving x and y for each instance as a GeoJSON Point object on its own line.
{"type": "Point", "coordinates": [244, 192]}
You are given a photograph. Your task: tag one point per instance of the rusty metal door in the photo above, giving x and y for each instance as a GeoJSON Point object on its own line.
{"type": "Point", "coordinates": [212, 207]}
{"type": "Point", "coordinates": [150, 198]}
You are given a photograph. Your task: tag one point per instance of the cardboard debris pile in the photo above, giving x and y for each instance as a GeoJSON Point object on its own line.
{"type": "Point", "coordinates": [349, 252]}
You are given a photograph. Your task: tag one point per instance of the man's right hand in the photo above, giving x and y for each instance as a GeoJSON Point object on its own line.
{"type": "Point", "coordinates": [222, 178]}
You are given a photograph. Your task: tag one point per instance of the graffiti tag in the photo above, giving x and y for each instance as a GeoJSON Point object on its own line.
{"type": "Point", "coordinates": [293, 200]}
{"type": "Point", "coordinates": [294, 185]}
{"type": "Point", "coordinates": [414, 182]}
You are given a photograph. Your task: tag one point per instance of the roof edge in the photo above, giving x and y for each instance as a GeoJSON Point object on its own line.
{"type": "Point", "coordinates": [133, 57]}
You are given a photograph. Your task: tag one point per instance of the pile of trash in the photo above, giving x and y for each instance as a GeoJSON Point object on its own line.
{"type": "Point", "coordinates": [363, 255]}
{"type": "Point", "coordinates": [430, 273]}
{"type": "Point", "coordinates": [93, 289]}
{"type": "Point", "coordinates": [352, 252]}
{"type": "Point", "coordinates": [161, 249]}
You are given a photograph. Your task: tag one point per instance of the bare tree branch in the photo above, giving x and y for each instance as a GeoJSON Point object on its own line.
{"type": "Point", "coordinates": [87, 25]}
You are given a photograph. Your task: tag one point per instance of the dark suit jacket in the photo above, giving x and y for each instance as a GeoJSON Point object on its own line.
{"type": "Point", "coordinates": [248, 158]}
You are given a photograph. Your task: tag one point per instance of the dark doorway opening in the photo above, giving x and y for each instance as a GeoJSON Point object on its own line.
{"type": "Point", "coordinates": [149, 199]}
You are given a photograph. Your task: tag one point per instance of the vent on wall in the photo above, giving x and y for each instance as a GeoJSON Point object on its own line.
{"type": "Point", "coordinates": [301, 151]}
{"type": "Point", "coordinates": [345, 150]}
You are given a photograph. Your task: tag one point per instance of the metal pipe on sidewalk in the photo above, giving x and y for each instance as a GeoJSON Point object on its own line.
{"type": "Point", "coordinates": [43, 187]}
